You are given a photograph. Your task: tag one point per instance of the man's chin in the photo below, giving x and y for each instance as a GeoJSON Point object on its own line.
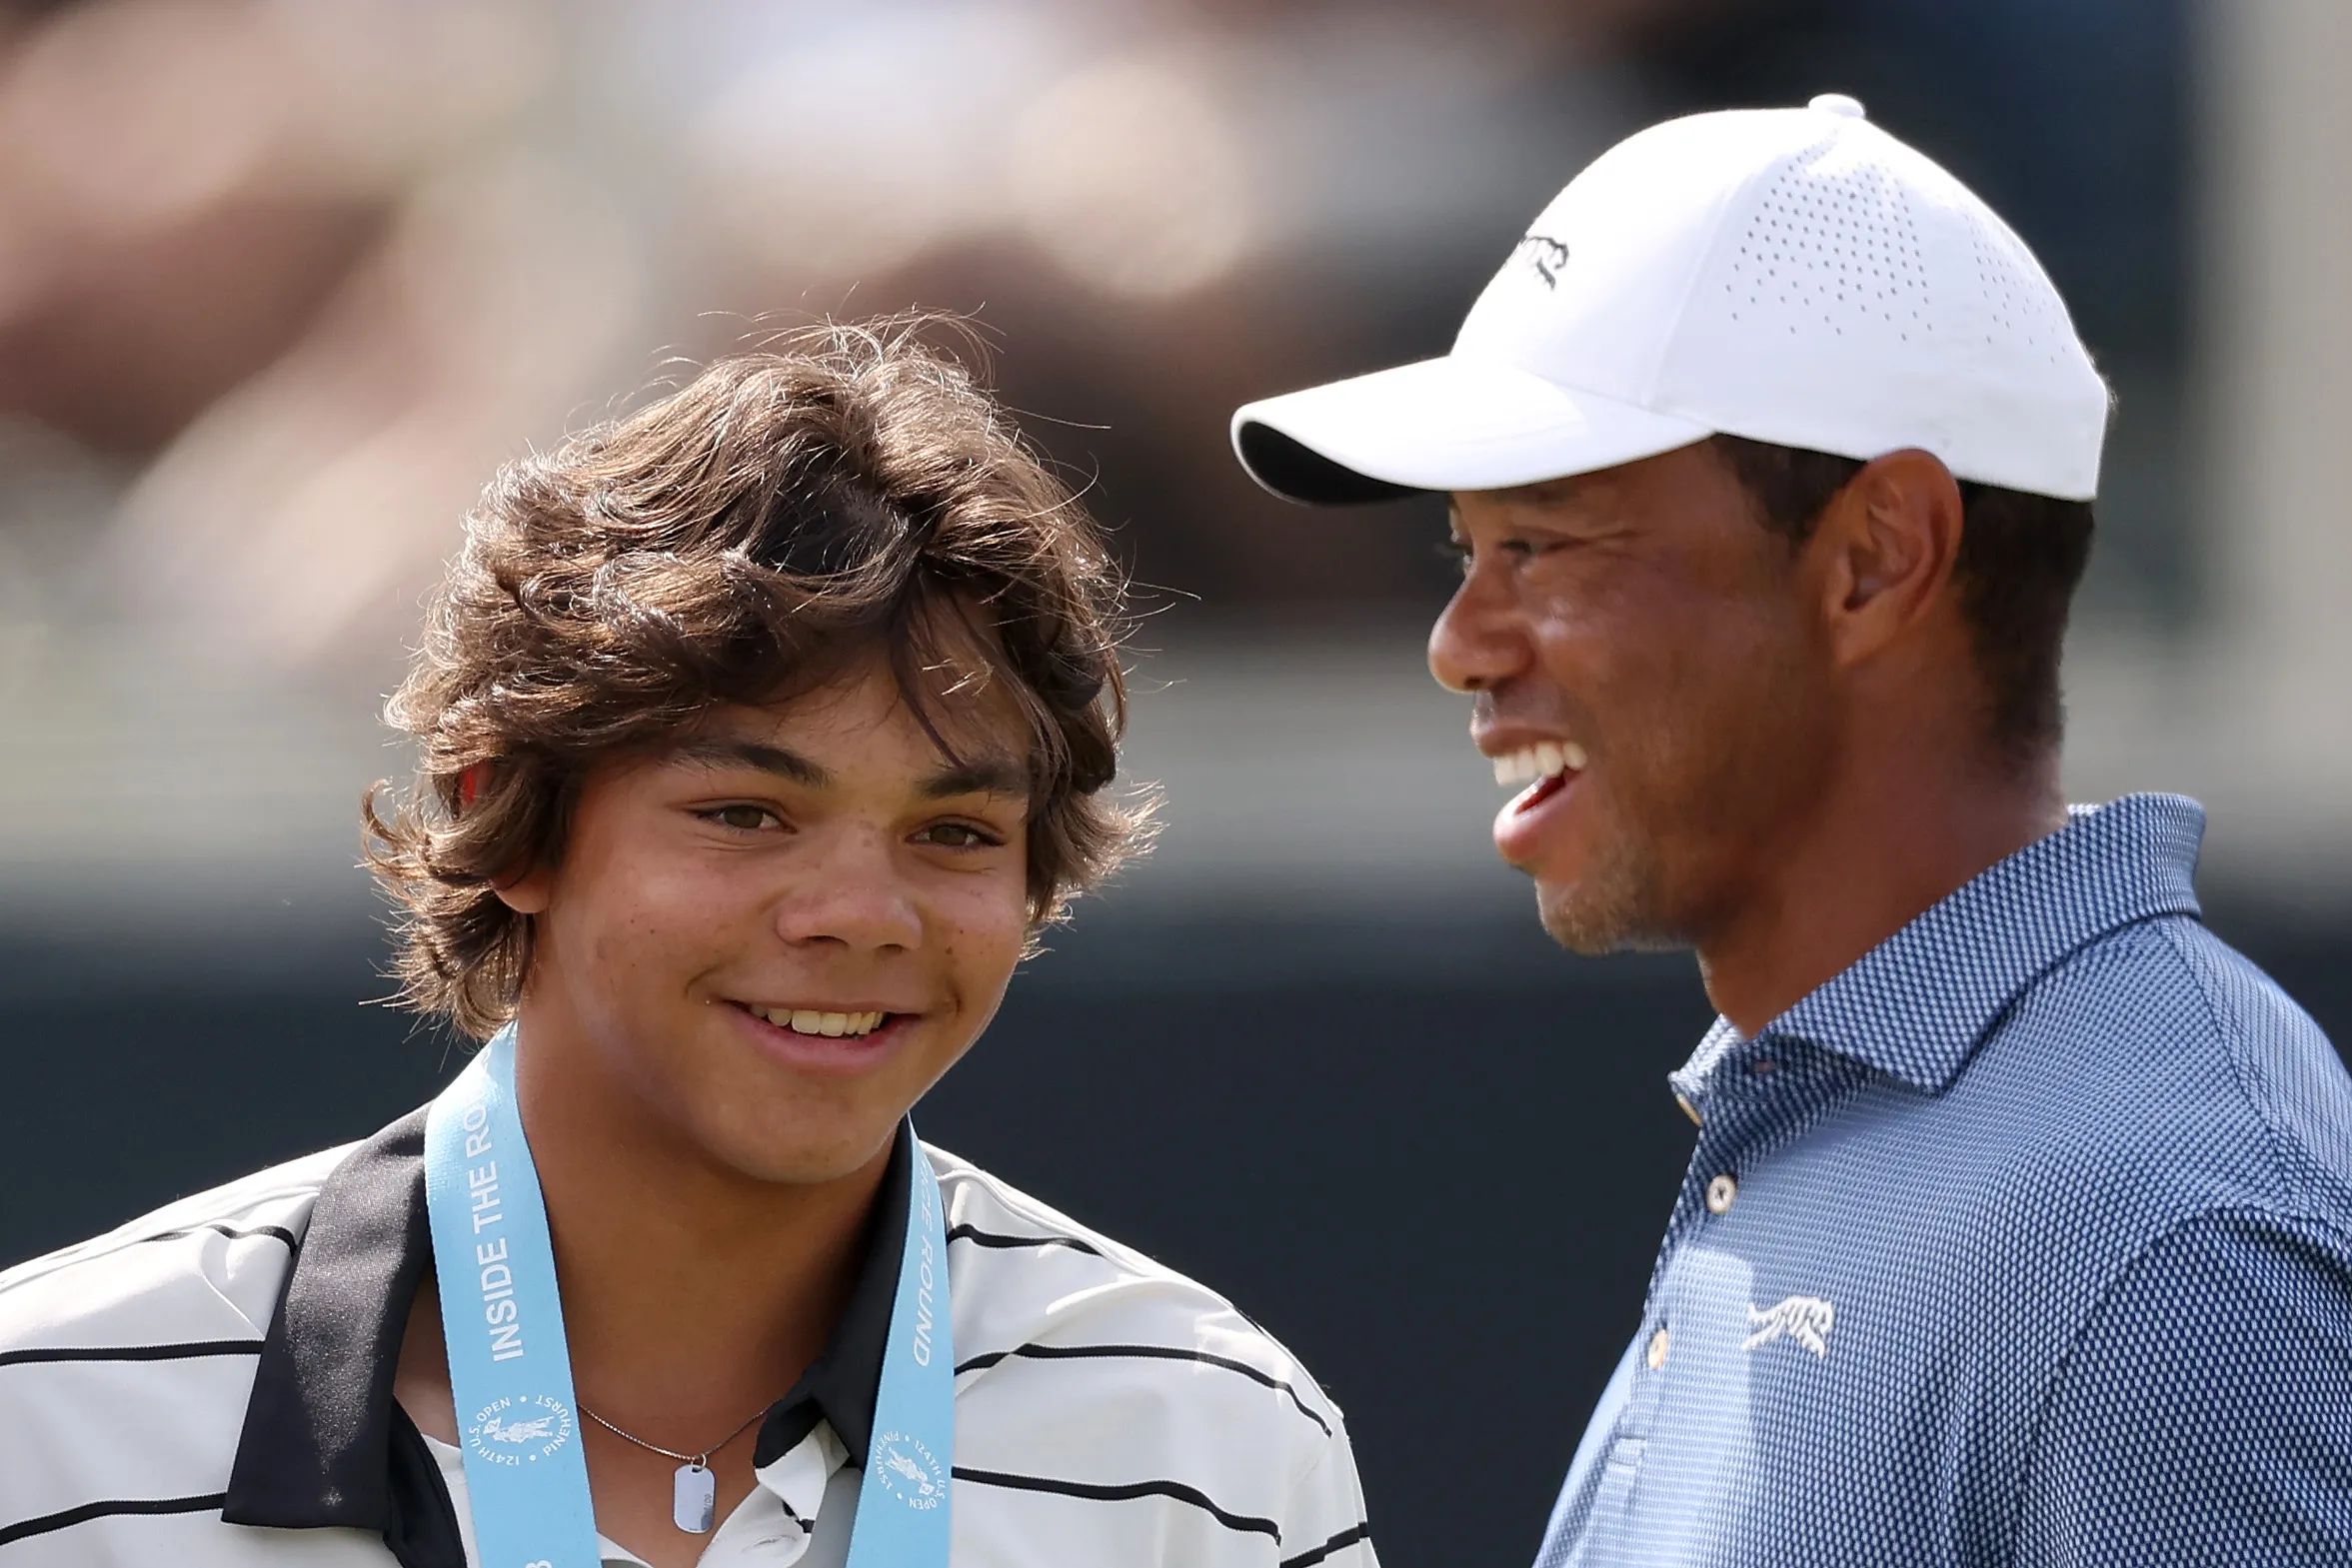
{"type": "Point", "coordinates": [1596, 916]}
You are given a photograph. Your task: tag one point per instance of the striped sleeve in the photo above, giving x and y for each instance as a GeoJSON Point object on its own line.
{"type": "Point", "coordinates": [124, 1369]}
{"type": "Point", "coordinates": [1125, 1412]}
{"type": "Point", "coordinates": [1324, 1521]}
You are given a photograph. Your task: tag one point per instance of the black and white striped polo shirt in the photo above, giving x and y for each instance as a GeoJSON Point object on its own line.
{"type": "Point", "coordinates": [212, 1386]}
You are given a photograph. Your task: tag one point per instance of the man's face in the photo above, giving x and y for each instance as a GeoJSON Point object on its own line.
{"type": "Point", "coordinates": [777, 934]}
{"type": "Point", "coordinates": [1643, 620]}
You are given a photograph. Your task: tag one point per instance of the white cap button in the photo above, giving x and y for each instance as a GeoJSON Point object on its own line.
{"type": "Point", "coordinates": [1838, 103]}
{"type": "Point", "coordinates": [1720, 1193]}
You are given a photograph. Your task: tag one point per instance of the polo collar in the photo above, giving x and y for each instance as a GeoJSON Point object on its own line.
{"type": "Point", "coordinates": [324, 1442]}
{"type": "Point", "coordinates": [1916, 1005]}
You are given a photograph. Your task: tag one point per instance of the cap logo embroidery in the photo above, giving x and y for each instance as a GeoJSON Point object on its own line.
{"type": "Point", "coordinates": [1547, 255]}
{"type": "Point", "coordinates": [1805, 1319]}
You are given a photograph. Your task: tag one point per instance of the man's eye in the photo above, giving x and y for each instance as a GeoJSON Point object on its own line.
{"type": "Point", "coordinates": [1464, 555]}
{"type": "Point", "coordinates": [742, 818]}
{"type": "Point", "coordinates": [959, 836]}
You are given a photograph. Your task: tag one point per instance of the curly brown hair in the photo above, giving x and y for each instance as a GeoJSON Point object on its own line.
{"type": "Point", "coordinates": [847, 490]}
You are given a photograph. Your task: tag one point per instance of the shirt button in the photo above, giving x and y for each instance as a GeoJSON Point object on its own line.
{"type": "Point", "coordinates": [1659, 1345]}
{"type": "Point", "coordinates": [1720, 1192]}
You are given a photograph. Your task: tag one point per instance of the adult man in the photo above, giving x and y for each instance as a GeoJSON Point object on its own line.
{"type": "Point", "coordinates": [761, 730]}
{"type": "Point", "coordinates": [2019, 1228]}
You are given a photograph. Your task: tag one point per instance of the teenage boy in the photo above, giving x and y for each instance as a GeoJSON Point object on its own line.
{"type": "Point", "coordinates": [2019, 1226]}
{"type": "Point", "coordinates": [761, 732]}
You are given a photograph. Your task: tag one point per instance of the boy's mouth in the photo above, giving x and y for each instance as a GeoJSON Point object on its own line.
{"type": "Point", "coordinates": [819, 1021]}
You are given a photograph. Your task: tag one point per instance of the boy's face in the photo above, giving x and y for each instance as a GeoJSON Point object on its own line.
{"type": "Point", "coordinates": [769, 940]}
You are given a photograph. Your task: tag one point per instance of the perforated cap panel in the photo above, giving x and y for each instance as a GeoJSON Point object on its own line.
{"type": "Point", "coordinates": [1859, 300]}
{"type": "Point", "coordinates": [2020, 302]}
{"type": "Point", "coordinates": [1828, 249]}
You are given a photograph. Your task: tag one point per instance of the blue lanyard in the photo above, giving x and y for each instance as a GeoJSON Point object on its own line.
{"type": "Point", "coordinates": [510, 1370]}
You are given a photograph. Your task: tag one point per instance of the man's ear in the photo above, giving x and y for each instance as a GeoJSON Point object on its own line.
{"type": "Point", "coordinates": [1884, 550]}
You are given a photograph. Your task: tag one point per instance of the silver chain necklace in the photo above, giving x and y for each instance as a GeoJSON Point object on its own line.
{"type": "Point", "coordinates": [693, 1490]}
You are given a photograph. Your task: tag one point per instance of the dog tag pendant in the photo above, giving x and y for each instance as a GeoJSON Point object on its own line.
{"type": "Point", "coordinates": [694, 1499]}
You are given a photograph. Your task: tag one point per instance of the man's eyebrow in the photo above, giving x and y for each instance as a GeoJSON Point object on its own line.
{"type": "Point", "coordinates": [730, 751]}
{"type": "Point", "coordinates": [977, 776]}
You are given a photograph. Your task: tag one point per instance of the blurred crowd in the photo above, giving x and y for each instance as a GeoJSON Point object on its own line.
{"type": "Point", "coordinates": [282, 281]}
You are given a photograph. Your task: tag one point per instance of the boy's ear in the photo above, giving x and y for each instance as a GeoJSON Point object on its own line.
{"type": "Point", "coordinates": [528, 893]}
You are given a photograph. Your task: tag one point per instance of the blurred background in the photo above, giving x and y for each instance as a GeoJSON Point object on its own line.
{"type": "Point", "coordinates": [282, 282]}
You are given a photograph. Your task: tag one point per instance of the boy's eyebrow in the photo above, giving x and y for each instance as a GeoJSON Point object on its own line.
{"type": "Point", "coordinates": [977, 776]}
{"type": "Point", "coordinates": [732, 752]}
{"type": "Point", "coordinates": [972, 776]}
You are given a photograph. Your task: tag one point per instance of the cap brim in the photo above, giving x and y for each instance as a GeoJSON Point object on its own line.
{"type": "Point", "coordinates": [1444, 423]}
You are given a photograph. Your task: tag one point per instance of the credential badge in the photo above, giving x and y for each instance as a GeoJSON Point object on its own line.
{"type": "Point", "coordinates": [908, 1471]}
{"type": "Point", "coordinates": [520, 1429]}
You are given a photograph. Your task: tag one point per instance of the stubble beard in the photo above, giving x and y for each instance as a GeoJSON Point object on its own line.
{"type": "Point", "coordinates": [1636, 894]}
{"type": "Point", "coordinates": [1619, 906]}
{"type": "Point", "coordinates": [1657, 882]}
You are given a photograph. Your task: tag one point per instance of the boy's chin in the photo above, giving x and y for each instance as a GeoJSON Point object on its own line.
{"type": "Point", "coordinates": [792, 1149]}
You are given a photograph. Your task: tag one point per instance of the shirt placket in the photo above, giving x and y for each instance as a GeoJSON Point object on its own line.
{"type": "Point", "coordinates": [1752, 1100]}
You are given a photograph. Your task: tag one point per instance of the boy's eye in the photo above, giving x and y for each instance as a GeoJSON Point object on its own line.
{"type": "Point", "coordinates": [959, 836]}
{"type": "Point", "coordinates": [742, 818]}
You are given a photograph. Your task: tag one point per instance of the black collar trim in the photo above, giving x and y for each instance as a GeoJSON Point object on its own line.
{"type": "Point", "coordinates": [325, 1444]}
{"type": "Point", "coordinates": [317, 1444]}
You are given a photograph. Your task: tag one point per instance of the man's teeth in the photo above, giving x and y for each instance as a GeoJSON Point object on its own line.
{"type": "Point", "coordinates": [802, 1021]}
{"type": "Point", "coordinates": [1544, 759]}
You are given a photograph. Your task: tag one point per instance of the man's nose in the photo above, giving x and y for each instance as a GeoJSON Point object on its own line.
{"type": "Point", "coordinates": [1478, 642]}
{"type": "Point", "coordinates": [852, 895]}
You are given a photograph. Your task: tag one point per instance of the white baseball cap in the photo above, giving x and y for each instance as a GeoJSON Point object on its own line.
{"type": "Point", "coordinates": [1794, 276]}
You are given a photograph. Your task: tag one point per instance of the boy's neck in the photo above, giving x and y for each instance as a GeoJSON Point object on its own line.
{"type": "Point", "coordinates": [693, 1294]}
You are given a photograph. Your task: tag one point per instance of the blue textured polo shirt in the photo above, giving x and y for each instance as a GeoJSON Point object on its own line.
{"type": "Point", "coordinates": [2026, 1240]}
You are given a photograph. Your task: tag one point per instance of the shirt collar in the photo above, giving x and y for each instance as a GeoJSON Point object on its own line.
{"type": "Point", "coordinates": [1915, 1007]}
{"type": "Point", "coordinates": [317, 1446]}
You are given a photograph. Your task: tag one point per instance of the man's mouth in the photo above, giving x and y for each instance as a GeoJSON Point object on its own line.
{"type": "Point", "coordinates": [814, 1020]}
{"type": "Point", "coordinates": [1540, 770]}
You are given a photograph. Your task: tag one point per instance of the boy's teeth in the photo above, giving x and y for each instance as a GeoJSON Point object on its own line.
{"type": "Point", "coordinates": [803, 1020]}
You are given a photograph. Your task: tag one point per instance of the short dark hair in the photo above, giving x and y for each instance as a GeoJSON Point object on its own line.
{"type": "Point", "coordinates": [739, 541]}
{"type": "Point", "coordinates": [2021, 558]}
